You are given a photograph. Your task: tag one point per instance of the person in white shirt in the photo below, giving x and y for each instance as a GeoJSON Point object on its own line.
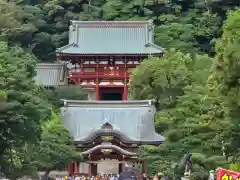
{"type": "Point", "coordinates": [112, 177]}
{"type": "Point", "coordinates": [58, 178]}
{"type": "Point", "coordinates": [77, 178]}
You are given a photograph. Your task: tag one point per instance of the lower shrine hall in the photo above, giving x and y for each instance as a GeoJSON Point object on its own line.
{"type": "Point", "coordinates": [108, 129]}
{"type": "Point", "coordinates": [108, 134]}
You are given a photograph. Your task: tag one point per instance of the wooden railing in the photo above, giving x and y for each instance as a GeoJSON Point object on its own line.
{"type": "Point", "coordinates": [89, 75]}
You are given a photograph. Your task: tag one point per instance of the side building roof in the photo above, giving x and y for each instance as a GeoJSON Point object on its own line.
{"type": "Point", "coordinates": [111, 37]}
{"type": "Point", "coordinates": [49, 74]}
{"type": "Point", "coordinates": [132, 121]}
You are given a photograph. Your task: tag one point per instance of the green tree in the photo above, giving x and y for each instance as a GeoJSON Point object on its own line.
{"type": "Point", "coordinates": [189, 26]}
{"type": "Point", "coordinates": [55, 149]}
{"type": "Point", "coordinates": [192, 124]}
{"type": "Point", "coordinates": [194, 117]}
{"type": "Point", "coordinates": [72, 92]}
{"type": "Point", "coordinates": [162, 78]}
{"type": "Point", "coordinates": [17, 23]}
{"type": "Point", "coordinates": [10, 15]}
{"type": "Point", "coordinates": [225, 78]}
{"type": "Point", "coordinates": [191, 32]}
{"type": "Point", "coordinates": [20, 119]}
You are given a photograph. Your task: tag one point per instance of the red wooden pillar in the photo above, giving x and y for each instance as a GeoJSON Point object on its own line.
{"type": "Point", "coordinates": [144, 167]}
{"type": "Point", "coordinates": [89, 169]}
{"type": "Point", "coordinates": [125, 93]}
{"type": "Point", "coordinates": [70, 169]}
{"type": "Point", "coordinates": [125, 90]}
{"type": "Point", "coordinates": [76, 168]}
{"type": "Point", "coordinates": [97, 90]}
{"type": "Point", "coordinates": [97, 81]}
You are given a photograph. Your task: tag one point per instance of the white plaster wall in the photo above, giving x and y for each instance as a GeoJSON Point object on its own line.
{"type": "Point", "coordinates": [83, 168]}
{"type": "Point", "coordinates": [108, 166]}
{"type": "Point", "coordinates": [91, 96]}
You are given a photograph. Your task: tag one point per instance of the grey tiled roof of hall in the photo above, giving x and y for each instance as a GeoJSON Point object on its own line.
{"type": "Point", "coordinates": [134, 120]}
{"type": "Point", "coordinates": [111, 37]}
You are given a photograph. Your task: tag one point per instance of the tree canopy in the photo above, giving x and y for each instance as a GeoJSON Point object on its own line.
{"type": "Point", "coordinates": [42, 26]}
{"type": "Point", "coordinates": [23, 109]}
{"type": "Point", "coordinates": [55, 149]}
{"type": "Point", "coordinates": [203, 118]}
{"type": "Point", "coordinates": [195, 83]}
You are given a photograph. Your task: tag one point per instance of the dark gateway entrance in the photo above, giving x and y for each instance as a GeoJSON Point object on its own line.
{"type": "Point", "coordinates": [111, 94]}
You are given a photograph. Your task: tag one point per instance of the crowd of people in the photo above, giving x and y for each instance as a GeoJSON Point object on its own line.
{"type": "Point", "coordinates": [98, 177]}
{"type": "Point", "coordinates": [107, 177]}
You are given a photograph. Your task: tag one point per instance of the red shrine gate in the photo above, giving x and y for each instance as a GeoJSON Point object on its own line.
{"type": "Point", "coordinates": [107, 77]}
{"type": "Point", "coordinates": [100, 57]}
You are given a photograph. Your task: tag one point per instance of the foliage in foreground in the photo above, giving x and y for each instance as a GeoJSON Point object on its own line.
{"type": "Point", "coordinates": [225, 79]}
{"type": "Point", "coordinates": [29, 142]}
{"type": "Point", "coordinates": [204, 118]}
{"type": "Point", "coordinates": [189, 26]}
{"type": "Point", "coordinates": [71, 92]}
{"type": "Point", "coordinates": [52, 152]}
{"type": "Point", "coordinates": [55, 149]}
{"type": "Point", "coordinates": [22, 108]}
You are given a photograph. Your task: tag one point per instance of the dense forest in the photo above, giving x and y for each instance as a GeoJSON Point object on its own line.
{"type": "Point", "coordinates": [195, 84]}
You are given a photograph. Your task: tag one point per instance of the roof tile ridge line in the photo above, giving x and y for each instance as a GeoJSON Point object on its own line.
{"type": "Point", "coordinates": [65, 47]}
{"type": "Point", "coordinates": [112, 104]}
{"type": "Point", "coordinates": [109, 102]}
{"type": "Point", "coordinates": [151, 31]}
{"type": "Point", "coordinates": [150, 21]}
{"type": "Point", "coordinates": [155, 133]}
{"type": "Point", "coordinates": [76, 34]}
{"type": "Point", "coordinates": [120, 22]}
{"type": "Point", "coordinates": [154, 45]}
{"type": "Point", "coordinates": [147, 33]}
{"type": "Point", "coordinates": [49, 64]}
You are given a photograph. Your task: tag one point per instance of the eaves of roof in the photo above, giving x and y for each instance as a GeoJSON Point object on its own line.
{"type": "Point", "coordinates": [74, 49]}
{"type": "Point", "coordinates": [111, 38]}
{"type": "Point", "coordinates": [109, 146]}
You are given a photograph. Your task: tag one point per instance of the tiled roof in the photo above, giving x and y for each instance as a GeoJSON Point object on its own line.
{"type": "Point", "coordinates": [111, 37]}
{"type": "Point", "coordinates": [107, 146]}
{"type": "Point", "coordinates": [134, 119]}
{"type": "Point", "coordinates": [49, 74]}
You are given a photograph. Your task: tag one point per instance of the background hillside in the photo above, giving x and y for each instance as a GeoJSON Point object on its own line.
{"type": "Point", "coordinates": [41, 26]}
{"type": "Point", "coordinates": [196, 83]}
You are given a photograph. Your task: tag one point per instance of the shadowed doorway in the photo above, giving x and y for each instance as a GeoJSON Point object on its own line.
{"type": "Point", "coordinates": [111, 94]}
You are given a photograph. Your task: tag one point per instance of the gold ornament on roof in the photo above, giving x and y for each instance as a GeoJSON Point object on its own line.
{"type": "Point", "coordinates": [107, 138]}
{"type": "Point", "coordinates": [106, 151]}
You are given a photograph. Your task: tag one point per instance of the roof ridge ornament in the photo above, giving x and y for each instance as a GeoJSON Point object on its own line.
{"type": "Point", "coordinates": [150, 102]}
{"type": "Point", "coordinates": [107, 125]}
{"type": "Point", "coordinates": [72, 26]}
{"type": "Point", "coordinates": [65, 103]}
{"type": "Point", "coordinates": [150, 23]}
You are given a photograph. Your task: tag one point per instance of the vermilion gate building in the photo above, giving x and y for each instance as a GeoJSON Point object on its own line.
{"type": "Point", "coordinates": [100, 57]}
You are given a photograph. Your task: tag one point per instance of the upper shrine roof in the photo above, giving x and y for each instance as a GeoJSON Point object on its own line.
{"type": "Point", "coordinates": [131, 121]}
{"type": "Point", "coordinates": [111, 38]}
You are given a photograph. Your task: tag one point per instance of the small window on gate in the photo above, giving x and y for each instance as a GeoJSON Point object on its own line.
{"type": "Point", "coordinates": [89, 70]}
